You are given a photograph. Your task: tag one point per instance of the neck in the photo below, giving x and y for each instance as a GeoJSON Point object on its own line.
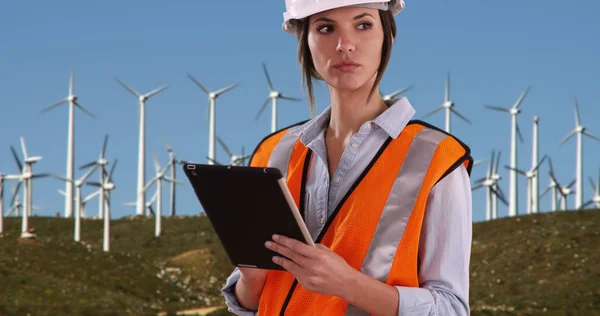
{"type": "Point", "coordinates": [350, 110]}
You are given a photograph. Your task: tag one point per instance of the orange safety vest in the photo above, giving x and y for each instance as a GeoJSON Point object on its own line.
{"type": "Point", "coordinates": [405, 168]}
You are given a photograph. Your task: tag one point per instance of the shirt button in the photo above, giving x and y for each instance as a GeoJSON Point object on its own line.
{"type": "Point", "coordinates": [369, 125]}
{"type": "Point", "coordinates": [322, 220]}
{"type": "Point", "coordinates": [354, 145]}
{"type": "Point", "coordinates": [337, 179]}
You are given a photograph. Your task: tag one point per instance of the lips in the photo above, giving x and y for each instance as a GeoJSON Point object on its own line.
{"type": "Point", "coordinates": [345, 63]}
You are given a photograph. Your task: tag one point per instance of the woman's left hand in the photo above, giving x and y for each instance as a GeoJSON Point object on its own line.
{"type": "Point", "coordinates": [318, 268]}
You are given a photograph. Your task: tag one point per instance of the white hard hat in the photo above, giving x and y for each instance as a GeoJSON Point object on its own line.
{"type": "Point", "coordinates": [300, 9]}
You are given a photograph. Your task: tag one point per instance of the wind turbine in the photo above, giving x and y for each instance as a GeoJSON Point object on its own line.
{"type": "Point", "coordinates": [596, 189]}
{"type": "Point", "coordinates": [448, 105]}
{"type": "Point", "coordinates": [530, 175]}
{"type": "Point", "coordinates": [108, 186]}
{"type": "Point", "coordinates": [493, 191]}
{"type": "Point", "coordinates": [78, 201]}
{"type": "Point", "coordinates": [101, 163]}
{"type": "Point", "coordinates": [273, 96]}
{"type": "Point", "coordinates": [27, 177]}
{"type": "Point", "coordinates": [141, 196]}
{"type": "Point", "coordinates": [160, 175]}
{"type": "Point", "coordinates": [580, 130]}
{"type": "Point", "coordinates": [235, 159]}
{"type": "Point", "coordinates": [513, 189]}
{"type": "Point", "coordinates": [552, 186]}
{"type": "Point", "coordinates": [387, 97]}
{"type": "Point", "coordinates": [172, 162]}
{"type": "Point", "coordinates": [71, 99]}
{"type": "Point", "coordinates": [212, 99]}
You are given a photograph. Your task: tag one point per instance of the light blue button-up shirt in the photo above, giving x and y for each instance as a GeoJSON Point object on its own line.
{"type": "Point", "coordinates": [445, 243]}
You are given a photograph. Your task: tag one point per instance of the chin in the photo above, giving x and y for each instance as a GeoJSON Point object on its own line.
{"type": "Point", "coordinates": [348, 81]}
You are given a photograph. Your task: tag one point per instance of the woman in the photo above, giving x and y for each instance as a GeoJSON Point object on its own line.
{"type": "Point", "coordinates": [386, 199]}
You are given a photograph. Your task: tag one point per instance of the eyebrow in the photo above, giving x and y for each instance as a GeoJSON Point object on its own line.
{"type": "Point", "coordinates": [324, 19]}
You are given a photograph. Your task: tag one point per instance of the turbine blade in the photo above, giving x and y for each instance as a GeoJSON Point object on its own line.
{"type": "Point", "coordinates": [112, 170]}
{"type": "Point", "coordinates": [497, 161]}
{"type": "Point", "coordinates": [573, 132]}
{"type": "Point", "coordinates": [398, 92]}
{"type": "Point", "coordinates": [587, 204]}
{"type": "Point", "coordinates": [24, 148]}
{"type": "Point", "coordinates": [499, 189]}
{"type": "Point", "coordinates": [519, 133]}
{"type": "Point", "coordinates": [60, 177]}
{"type": "Point", "coordinates": [131, 90]}
{"type": "Point", "coordinates": [225, 147]}
{"type": "Point", "coordinates": [501, 197]}
{"type": "Point", "coordinates": [592, 184]}
{"type": "Point", "coordinates": [540, 163]}
{"type": "Point", "coordinates": [17, 160]}
{"type": "Point", "coordinates": [15, 193]}
{"type": "Point", "coordinates": [588, 134]}
{"type": "Point", "coordinates": [62, 192]}
{"type": "Point", "coordinates": [155, 91]}
{"type": "Point", "coordinates": [521, 98]}
{"type": "Point", "coordinates": [577, 120]}
{"type": "Point", "coordinates": [571, 184]}
{"type": "Point", "coordinates": [223, 90]}
{"type": "Point", "coordinates": [434, 111]}
{"type": "Point", "coordinates": [167, 145]}
{"type": "Point", "coordinates": [460, 115]}
{"type": "Point", "coordinates": [198, 84]}
{"type": "Point", "coordinates": [289, 98]}
{"type": "Point", "coordinates": [87, 165]}
{"type": "Point", "coordinates": [96, 184]}
{"type": "Point", "coordinates": [550, 165]}
{"type": "Point", "coordinates": [490, 170]}
{"type": "Point", "coordinates": [103, 151]}
{"type": "Point", "coordinates": [87, 174]}
{"type": "Point", "coordinates": [516, 170]}
{"type": "Point", "coordinates": [264, 106]}
{"type": "Point", "coordinates": [447, 92]}
{"type": "Point", "coordinates": [61, 102]}
{"type": "Point", "coordinates": [84, 109]}
{"type": "Point", "coordinates": [156, 164]}
{"type": "Point", "coordinates": [477, 187]}
{"type": "Point", "coordinates": [545, 191]}
{"type": "Point", "coordinates": [497, 108]}
{"type": "Point", "coordinates": [268, 78]}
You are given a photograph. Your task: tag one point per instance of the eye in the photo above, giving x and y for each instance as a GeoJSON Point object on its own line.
{"type": "Point", "coordinates": [365, 26]}
{"type": "Point", "coordinates": [325, 29]}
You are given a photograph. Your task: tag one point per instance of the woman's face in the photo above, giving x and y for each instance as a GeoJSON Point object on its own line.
{"type": "Point", "coordinates": [345, 44]}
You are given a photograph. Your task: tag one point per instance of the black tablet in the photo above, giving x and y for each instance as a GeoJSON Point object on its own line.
{"type": "Point", "coordinates": [246, 206]}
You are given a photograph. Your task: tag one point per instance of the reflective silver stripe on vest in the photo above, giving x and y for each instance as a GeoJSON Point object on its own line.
{"type": "Point", "coordinates": [398, 208]}
{"type": "Point", "coordinates": [281, 154]}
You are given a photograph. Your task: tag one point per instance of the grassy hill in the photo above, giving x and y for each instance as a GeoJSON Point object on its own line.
{"type": "Point", "coordinates": [524, 265]}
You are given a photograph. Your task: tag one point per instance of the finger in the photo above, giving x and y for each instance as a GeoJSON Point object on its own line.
{"type": "Point", "coordinates": [285, 251]}
{"type": "Point", "coordinates": [295, 245]}
{"type": "Point", "coordinates": [288, 265]}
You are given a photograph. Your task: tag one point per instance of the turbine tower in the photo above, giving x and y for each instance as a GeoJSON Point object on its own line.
{"type": "Point", "coordinates": [160, 175]}
{"type": "Point", "coordinates": [1, 202]}
{"type": "Point", "coordinates": [141, 196]}
{"type": "Point", "coordinates": [552, 186]}
{"type": "Point", "coordinates": [580, 130]}
{"type": "Point", "coordinates": [535, 180]}
{"type": "Point", "coordinates": [273, 96]}
{"type": "Point", "coordinates": [71, 99]}
{"type": "Point", "coordinates": [448, 105]}
{"type": "Point", "coordinates": [212, 100]}
{"type": "Point", "coordinates": [513, 199]}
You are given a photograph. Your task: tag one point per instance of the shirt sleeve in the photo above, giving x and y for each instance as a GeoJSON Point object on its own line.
{"type": "Point", "coordinates": [231, 301]}
{"type": "Point", "coordinates": [444, 251]}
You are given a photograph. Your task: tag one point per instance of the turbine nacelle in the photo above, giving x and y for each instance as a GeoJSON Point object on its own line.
{"type": "Point", "coordinates": [514, 111]}
{"type": "Point", "coordinates": [72, 98]}
{"type": "Point", "coordinates": [579, 129]}
{"type": "Point", "coordinates": [33, 159]}
{"type": "Point", "coordinates": [448, 104]}
{"type": "Point", "coordinates": [274, 94]}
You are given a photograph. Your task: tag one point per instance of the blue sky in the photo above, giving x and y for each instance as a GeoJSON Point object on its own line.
{"type": "Point", "coordinates": [493, 49]}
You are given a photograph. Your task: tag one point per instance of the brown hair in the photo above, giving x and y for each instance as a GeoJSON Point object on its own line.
{"type": "Point", "coordinates": [308, 68]}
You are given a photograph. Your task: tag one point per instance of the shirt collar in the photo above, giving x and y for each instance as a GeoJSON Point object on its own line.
{"type": "Point", "coordinates": [392, 121]}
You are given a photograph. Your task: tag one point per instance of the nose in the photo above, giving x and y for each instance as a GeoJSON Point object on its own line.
{"type": "Point", "coordinates": [345, 44]}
